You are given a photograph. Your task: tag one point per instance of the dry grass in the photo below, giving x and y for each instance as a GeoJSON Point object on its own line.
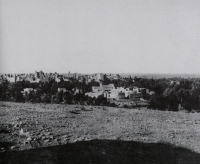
{"type": "Point", "coordinates": [147, 126]}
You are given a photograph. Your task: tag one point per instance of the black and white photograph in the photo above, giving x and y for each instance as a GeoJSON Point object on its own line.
{"type": "Point", "coordinates": [99, 82]}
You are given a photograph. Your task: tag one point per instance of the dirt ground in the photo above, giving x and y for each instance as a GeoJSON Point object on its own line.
{"type": "Point", "coordinates": [58, 133]}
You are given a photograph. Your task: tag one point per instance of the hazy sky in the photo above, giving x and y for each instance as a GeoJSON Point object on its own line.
{"type": "Point", "coordinates": [89, 36]}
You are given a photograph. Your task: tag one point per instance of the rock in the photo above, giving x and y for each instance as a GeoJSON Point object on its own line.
{"type": "Point", "coordinates": [80, 139]}
{"type": "Point", "coordinates": [51, 137]}
{"type": "Point", "coordinates": [47, 133]}
{"type": "Point", "coordinates": [43, 138]}
{"type": "Point", "coordinates": [22, 133]}
{"type": "Point", "coordinates": [18, 119]}
{"type": "Point", "coordinates": [87, 139]}
{"type": "Point", "coordinates": [16, 126]}
{"type": "Point", "coordinates": [29, 139]}
{"type": "Point", "coordinates": [12, 147]}
{"type": "Point", "coordinates": [70, 135]}
{"type": "Point", "coordinates": [47, 140]}
{"type": "Point", "coordinates": [66, 139]}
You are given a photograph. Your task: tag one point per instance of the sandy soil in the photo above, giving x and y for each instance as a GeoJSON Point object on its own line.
{"type": "Point", "coordinates": [25, 126]}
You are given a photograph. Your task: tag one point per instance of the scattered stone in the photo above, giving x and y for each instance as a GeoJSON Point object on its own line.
{"type": "Point", "coordinates": [13, 147]}
{"type": "Point", "coordinates": [22, 133]}
{"type": "Point", "coordinates": [47, 140]}
{"type": "Point", "coordinates": [16, 126]}
{"type": "Point", "coordinates": [47, 133]}
{"type": "Point", "coordinates": [86, 139]}
{"type": "Point", "coordinates": [29, 139]}
{"type": "Point", "coordinates": [18, 119]}
{"type": "Point", "coordinates": [43, 138]}
{"type": "Point", "coordinates": [80, 139]}
{"type": "Point", "coordinates": [66, 139]}
{"type": "Point", "coordinates": [70, 135]}
{"type": "Point", "coordinates": [51, 137]}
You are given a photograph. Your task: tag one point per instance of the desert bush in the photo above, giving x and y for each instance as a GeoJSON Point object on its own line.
{"type": "Point", "coordinates": [112, 104]}
{"type": "Point", "coordinates": [125, 106]}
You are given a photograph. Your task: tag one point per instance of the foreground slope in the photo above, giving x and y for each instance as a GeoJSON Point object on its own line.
{"type": "Point", "coordinates": [92, 133]}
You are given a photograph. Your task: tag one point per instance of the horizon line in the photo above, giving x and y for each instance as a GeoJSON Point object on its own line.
{"type": "Point", "coordinates": [108, 73]}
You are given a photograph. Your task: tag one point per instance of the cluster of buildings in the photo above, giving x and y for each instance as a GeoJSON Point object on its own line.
{"type": "Point", "coordinates": [110, 92]}
{"type": "Point", "coordinates": [46, 77]}
{"type": "Point", "coordinates": [32, 77]}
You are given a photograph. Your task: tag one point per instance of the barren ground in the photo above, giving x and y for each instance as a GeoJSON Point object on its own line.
{"type": "Point", "coordinates": [51, 133]}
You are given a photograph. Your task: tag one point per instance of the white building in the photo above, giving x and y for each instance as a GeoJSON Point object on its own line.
{"type": "Point", "coordinates": [127, 91]}
{"type": "Point", "coordinates": [11, 78]}
{"type": "Point", "coordinates": [111, 95]}
{"type": "Point", "coordinates": [35, 81]}
{"type": "Point", "coordinates": [103, 88]}
{"type": "Point", "coordinates": [77, 91]}
{"type": "Point", "coordinates": [94, 94]}
{"type": "Point", "coordinates": [28, 90]}
{"type": "Point", "coordinates": [57, 79]}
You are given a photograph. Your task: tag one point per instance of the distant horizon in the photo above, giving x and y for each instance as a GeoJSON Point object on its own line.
{"type": "Point", "coordinates": [99, 72]}
{"type": "Point", "coordinates": [128, 73]}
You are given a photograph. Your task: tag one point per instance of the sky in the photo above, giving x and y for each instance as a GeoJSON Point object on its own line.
{"type": "Point", "coordinates": [100, 36]}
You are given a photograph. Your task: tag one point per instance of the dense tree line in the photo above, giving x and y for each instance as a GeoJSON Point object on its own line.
{"type": "Point", "coordinates": [48, 92]}
{"type": "Point", "coordinates": [171, 93]}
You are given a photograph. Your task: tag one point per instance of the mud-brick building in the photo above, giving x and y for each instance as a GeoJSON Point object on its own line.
{"type": "Point", "coordinates": [94, 94]}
